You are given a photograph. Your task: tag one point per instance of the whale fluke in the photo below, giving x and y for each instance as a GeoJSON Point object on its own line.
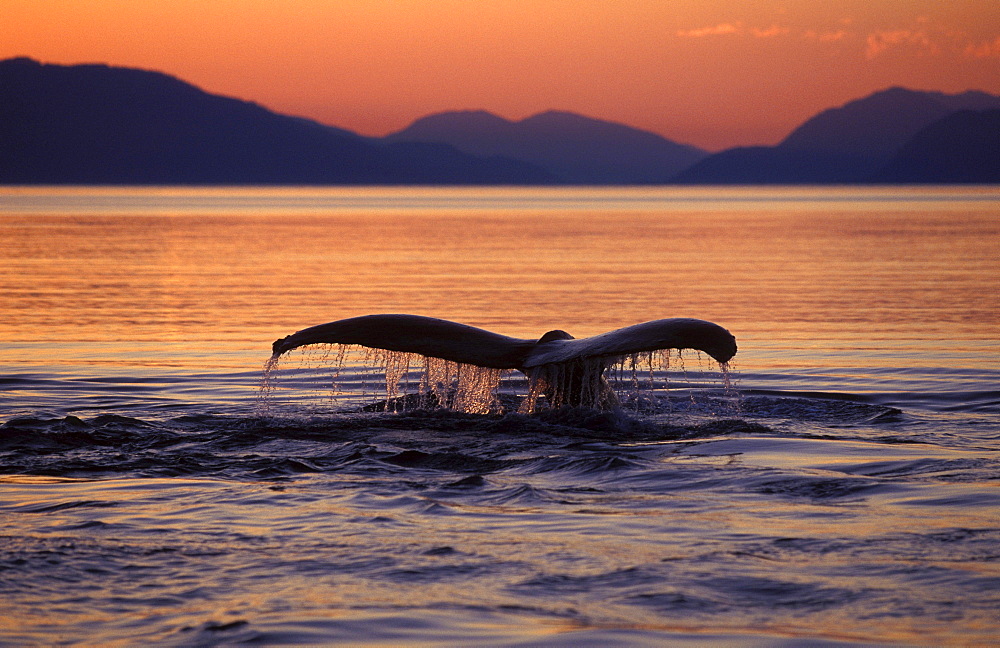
{"type": "Point", "coordinates": [675, 333]}
{"type": "Point", "coordinates": [566, 370]}
{"type": "Point", "coordinates": [427, 336]}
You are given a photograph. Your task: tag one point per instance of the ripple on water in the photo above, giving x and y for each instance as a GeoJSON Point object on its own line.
{"type": "Point", "coordinates": [576, 520]}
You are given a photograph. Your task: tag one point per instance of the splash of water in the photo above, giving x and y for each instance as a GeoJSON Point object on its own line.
{"type": "Point", "coordinates": [382, 380]}
{"type": "Point", "coordinates": [442, 384]}
{"type": "Point", "coordinates": [403, 381]}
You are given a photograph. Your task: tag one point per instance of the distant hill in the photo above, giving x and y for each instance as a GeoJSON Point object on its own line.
{"type": "Point", "coordinates": [577, 149]}
{"type": "Point", "coordinates": [879, 124]}
{"type": "Point", "coordinates": [95, 124]}
{"type": "Point", "coordinates": [101, 124]}
{"type": "Point", "coordinates": [962, 147]}
{"type": "Point", "coordinates": [774, 165]}
{"type": "Point", "coordinates": [849, 144]}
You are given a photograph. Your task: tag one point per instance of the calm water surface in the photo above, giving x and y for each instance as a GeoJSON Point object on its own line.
{"type": "Point", "coordinates": [847, 494]}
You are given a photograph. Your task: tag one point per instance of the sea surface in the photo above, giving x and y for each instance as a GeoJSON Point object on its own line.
{"type": "Point", "coordinates": [839, 486]}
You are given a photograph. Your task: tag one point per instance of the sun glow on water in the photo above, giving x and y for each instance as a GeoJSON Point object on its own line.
{"type": "Point", "coordinates": [845, 492]}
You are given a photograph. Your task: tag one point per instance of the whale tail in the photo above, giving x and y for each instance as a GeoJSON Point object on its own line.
{"type": "Point", "coordinates": [566, 371]}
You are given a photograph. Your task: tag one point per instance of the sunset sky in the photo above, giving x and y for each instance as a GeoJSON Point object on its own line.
{"type": "Point", "coordinates": [714, 73]}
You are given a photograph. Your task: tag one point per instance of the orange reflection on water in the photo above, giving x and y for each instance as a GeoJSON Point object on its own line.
{"type": "Point", "coordinates": [248, 265]}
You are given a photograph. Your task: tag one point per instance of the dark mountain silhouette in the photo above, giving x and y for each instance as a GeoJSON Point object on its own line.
{"type": "Point", "coordinates": [774, 165]}
{"type": "Point", "coordinates": [577, 149]}
{"type": "Point", "coordinates": [962, 147]}
{"type": "Point", "coordinates": [100, 124]}
{"type": "Point", "coordinates": [848, 144]}
{"type": "Point", "coordinates": [879, 125]}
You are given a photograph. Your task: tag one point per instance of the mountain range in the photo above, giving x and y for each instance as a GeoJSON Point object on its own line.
{"type": "Point", "coordinates": [96, 124]}
{"type": "Point", "coordinates": [862, 141]}
{"type": "Point", "coordinates": [576, 149]}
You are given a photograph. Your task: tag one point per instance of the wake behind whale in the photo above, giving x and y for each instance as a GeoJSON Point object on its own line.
{"type": "Point", "coordinates": [427, 363]}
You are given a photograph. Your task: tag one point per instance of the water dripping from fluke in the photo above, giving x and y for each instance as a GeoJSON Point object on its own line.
{"type": "Point", "coordinates": [401, 363]}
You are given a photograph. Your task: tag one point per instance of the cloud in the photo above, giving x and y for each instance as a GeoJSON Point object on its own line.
{"type": "Point", "coordinates": [921, 37]}
{"type": "Point", "coordinates": [984, 50]}
{"type": "Point", "coordinates": [722, 29]}
{"type": "Point", "coordinates": [926, 37]}
{"type": "Point", "coordinates": [734, 29]}
{"type": "Point", "coordinates": [879, 42]}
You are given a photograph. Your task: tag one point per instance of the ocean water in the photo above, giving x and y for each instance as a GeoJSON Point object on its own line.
{"type": "Point", "coordinates": [843, 489]}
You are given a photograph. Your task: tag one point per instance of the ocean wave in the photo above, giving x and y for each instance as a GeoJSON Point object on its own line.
{"type": "Point", "coordinates": [576, 442]}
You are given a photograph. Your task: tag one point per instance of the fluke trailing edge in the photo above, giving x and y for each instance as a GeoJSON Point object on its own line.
{"type": "Point", "coordinates": [565, 370]}
{"type": "Point", "coordinates": [438, 338]}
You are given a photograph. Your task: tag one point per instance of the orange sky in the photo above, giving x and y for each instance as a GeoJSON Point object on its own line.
{"type": "Point", "coordinates": [714, 73]}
